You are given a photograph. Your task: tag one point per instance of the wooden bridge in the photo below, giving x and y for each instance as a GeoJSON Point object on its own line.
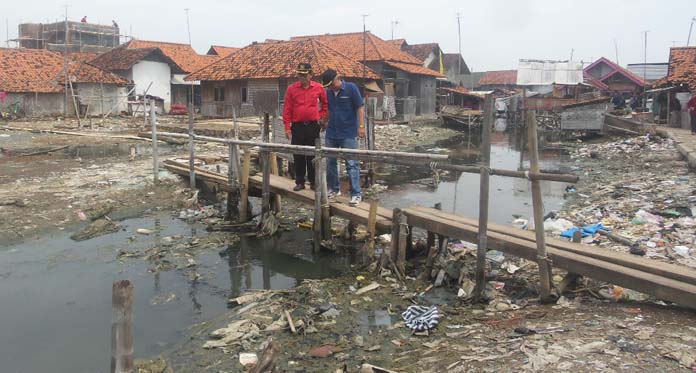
{"type": "Point", "coordinates": [663, 281]}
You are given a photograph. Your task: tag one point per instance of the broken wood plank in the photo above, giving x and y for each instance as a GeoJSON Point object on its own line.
{"type": "Point", "coordinates": [367, 288]}
{"type": "Point", "coordinates": [290, 322]}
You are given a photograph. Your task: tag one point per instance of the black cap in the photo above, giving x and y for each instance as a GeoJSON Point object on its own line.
{"type": "Point", "coordinates": [304, 68]}
{"type": "Point", "coordinates": [328, 76]}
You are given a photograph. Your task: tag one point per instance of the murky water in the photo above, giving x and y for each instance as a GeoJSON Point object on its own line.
{"type": "Point", "coordinates": [55, 308]}
{"type": "Point", "coordinates": [55, 294]}
{"type": "Point", "coordinates": [460, 193]}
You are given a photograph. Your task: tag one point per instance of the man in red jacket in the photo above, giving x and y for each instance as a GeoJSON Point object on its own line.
{"type": "Point", "coordinates": [691, 106]}
{"type": "Point", "coordinates": [305, 105]}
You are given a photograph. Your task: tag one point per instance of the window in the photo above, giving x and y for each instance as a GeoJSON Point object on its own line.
{"type": "Point", "coordinates": [219, 94]}
{"type": "Point", "coordinates": [245, 95]}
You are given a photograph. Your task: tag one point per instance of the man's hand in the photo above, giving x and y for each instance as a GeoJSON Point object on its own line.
{"type": "Point", "coordinates": [288, 134]}
{"type": "Point", "coordinates": [361, 132]}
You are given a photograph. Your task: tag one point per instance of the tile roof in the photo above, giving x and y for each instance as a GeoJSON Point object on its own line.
{"type": "Point", "coordinates": [122, 58]}
{"type": "Point", "coordinates": [422, 51]}
{"type": "Point", "coordinates": [183, 54]}
{"type": "Point", "coordinates": [682, 68]}
{"type": "Point", "coordinates": [399, 43]}
{"type": "Point", "coordinates": [501, 77]}
{"type": "Point", "coordinates": [451, 60]}
{"type": "Point", "coordinates": [42, 71]}
{"type": "Point", "coordinates": [414, 69]}
{"type": "Point", "coordinates": [219, 50]}
{"type": "Point", "coordinates": [616, 69]}
{"type": "Point", "coordinates": [279, 60]}
{"type": "Point", "coordinates": [351, 44]}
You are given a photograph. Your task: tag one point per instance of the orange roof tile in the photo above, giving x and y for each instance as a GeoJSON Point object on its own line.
{"type": "Point", "coordinates": [183, 54]}
{"type": "Point", "coordinates": [682, 67]}
{"type": "Point", "coordinates": [42, 71]}
{"type": "Point", "coordinates": [397, 42]}
{"type": "Point", "coordinates": [501, 77]}
{"type": "Point", "coordinates": [218, 50]}
{"type": "Point", "coordinates": [422, 51]}
{"type": "Point", "coordinates": [279, 60]}
{"type": "Point", "coordinates": [122, 58]}
{"type": "Point", "coordinates": [351, 44]}
{"type": "Point", "coordinates": [414, 69]}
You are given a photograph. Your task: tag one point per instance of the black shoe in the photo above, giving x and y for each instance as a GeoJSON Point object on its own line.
{"type": "Point", "coordinates": [298, 187]}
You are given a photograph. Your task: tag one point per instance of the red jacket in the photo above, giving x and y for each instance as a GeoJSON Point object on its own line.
{"type": "Point", "coordinates": [691, 105]}
{"type": "Point", "coordinates": [304, 104]}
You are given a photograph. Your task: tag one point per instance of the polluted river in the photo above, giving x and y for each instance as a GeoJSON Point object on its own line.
{"type": "Point", "coordinates": [56, 314]}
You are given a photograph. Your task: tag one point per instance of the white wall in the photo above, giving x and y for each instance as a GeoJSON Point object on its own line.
{"type": "Point", "coordinates": [159, 74]}
{"type": "Point", "coordinates": [101, 98]}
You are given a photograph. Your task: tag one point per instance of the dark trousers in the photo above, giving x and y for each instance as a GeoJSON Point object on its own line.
{"type": "Point", "coordinates": [304, 133]}
{"type": "Point", "coordinates": [693, 121]}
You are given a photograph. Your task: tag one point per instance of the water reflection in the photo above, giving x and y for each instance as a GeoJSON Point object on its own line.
{"type": "Point", "coordinates": [459, 192]}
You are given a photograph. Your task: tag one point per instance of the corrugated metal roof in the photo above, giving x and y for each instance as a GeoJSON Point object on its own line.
{"type": "Point", "coordinates": [545, 72]}
{"type": "Point", "coordinates": [653, 71]}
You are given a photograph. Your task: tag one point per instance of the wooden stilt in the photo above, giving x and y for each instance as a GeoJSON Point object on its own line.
{"type": "Point", "coordinates": [324, 194]}
{"type": "Point", "coordinates": [538, 205]}
{"type": "Point", "coordinates": [394, 248]}
{"type": "Point", "coordinates": [122, 327]}
{"type": "Point", "coordinates": [266, 168]}
{"type": "Point", "coordinates": [233, 177]}
{"type": "Point", "coordinates": [317, 197]}
{"type": "Point", "coordinates": [404, 234]}
{"type": "Point", "coordinates": [244, 181]}
{"type": "Point", "coordinates": [155, 160]}
{"type": "Point", "coordinates": [483, 198]}
{"type": "Point", "coordinates": [192, 148]}
{"type": "Point", "coordinates": [277, 202]}
{"type": "Point", "coordinates": [372, 226]}
{"type": "Point", "coordinates": [570, 278]}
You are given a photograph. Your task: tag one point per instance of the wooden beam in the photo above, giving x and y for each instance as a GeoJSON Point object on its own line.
{"type": "Point", "coordinates": [244, 204]}
{"type": "Point", "coordinates": [482, 241]}
{"type": "Point", "coordinates": [277, 203]}
{"type": "Point", "coordinates": [122, 327]}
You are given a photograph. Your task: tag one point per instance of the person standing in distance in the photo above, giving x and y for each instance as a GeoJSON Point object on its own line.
{"type": "Point", "coordinates": [305, 104]}
{"type": "Point", "coordinates": [346, 123]}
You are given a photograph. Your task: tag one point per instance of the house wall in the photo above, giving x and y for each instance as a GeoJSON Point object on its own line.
{"type": "Point", "coordinates": [424, 88]}
{"type": "Point", "coordinates": [37, 105]}
{"type": "Point", "coordinates": [99, 99]}
{"type": "Point", "coordinates": [211, 108]}
{"type": "Point", "coordinates": [600, 70]}
{"type": "Point", "coordinates": [159, 73]}
{"type": "Point", "coordinates": [261, 87]}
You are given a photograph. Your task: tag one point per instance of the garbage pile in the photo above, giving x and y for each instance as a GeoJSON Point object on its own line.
{"type": "Point", "coordinates": [641, 191]}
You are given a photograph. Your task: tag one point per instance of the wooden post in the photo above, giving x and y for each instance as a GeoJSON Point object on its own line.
{"type": "Point", "coordinates": [538, 205]}
{"type": "Point", "coordinates": [396, 213]}
{"type": "Point", "coordinates": [192, 150]}
{"type": "Point", "coordinates": [325, 208]}
{"type": "Point", "coordinates": [277, 202]}
{"type": "Point", "coordinates": [244, 180]}
{"type": "Point", "coordinates": [404, 234]}
{"type": "Point", "coordinates": [317, 196]}
{"type": "Point", "coordinates": [122, 327]}
{"type": "Point", "coordinates": [483, 198]}
{"type": "Point", "coordinates": [74, 99]}
{"type": "Point", "coordinates": [266, 168]}
{"type": "Point", "coordinates": [570, 277]}
{"type": "Point", "coordinates": [233, 177]}
{"type": "Point", "coordinates": [372, 226]}
{"type": "Point", "coordinates": [155, 156]}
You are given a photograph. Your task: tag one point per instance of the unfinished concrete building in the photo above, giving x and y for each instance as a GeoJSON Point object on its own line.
{"type": "Point", "coordinates": [70, 36]}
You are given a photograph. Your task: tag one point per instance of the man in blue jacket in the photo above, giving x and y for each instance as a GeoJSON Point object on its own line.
{"type": "Point", "coordinates": [346, 123]}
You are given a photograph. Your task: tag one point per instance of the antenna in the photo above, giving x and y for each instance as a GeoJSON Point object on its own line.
{"type": "Point", "coordinates": [459, 33]}
{"type": "Point", "coordinates": [7, 32]}
{"type": "Point", "coordinates": [572, 51]}
{"type": "Point", "coordinates": [693, 19]}
{"type": "Point", "coordinates": [364, 47]}
{"type": "Point", "coordinates": [188, 24]}
{"type": "Point", "coordinates": [645, 56]}
{"type": "Point", "coordinates": [393, 24]}
{"type": "Point", "coordinates": [616, 51]}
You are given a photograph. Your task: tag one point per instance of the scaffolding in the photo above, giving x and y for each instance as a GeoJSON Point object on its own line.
{"type": "Point", "coordinates": [68, 36]}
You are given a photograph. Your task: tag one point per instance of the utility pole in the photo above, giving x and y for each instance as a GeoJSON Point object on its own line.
{"type": "Point", "coordinates": [645, 56]}
{"type": "Point", "coordinates": [616, 51]}
{"type": "Point", "coordinates": [393, 24]}
{"type": "Point", "coordinates": [7, 32]}
{"type": "Point", "coordinates": [364, 47]}
{"type": "Point", "coordinates": [688, 40]}
{"type": "Point", "coordinates": [188, 24]}
{"type": "Point", "coordinates": [65, 64]}
{"type": "Point", "coordinates": [459, 33]}
{"type": "Point", "coordinates": [572, 52]}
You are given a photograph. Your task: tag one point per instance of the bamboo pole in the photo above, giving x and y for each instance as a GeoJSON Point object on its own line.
{"type": "Point", "coordinates": [74, 100]}
{"type": "Point", "coordinates": [394, 249]}
{"type": "Point", "coordinates": [122, 327]}
{"type": "Point", "coordinates": [403, 158]}
{"type": "Point", "coordinates": [317, 198]}
{"type": "Point", "coordinates": [244, 205]}
{"type": "Point", "coordinates": [277, 202]}
{"type": "Point", "coordinates": [404, 234]}
{"type": "Point", "coordinates": [155, 155]}
{"type": "Point", "coordinates": [483, 198]}
{"type": "Point", "coordinates": [266, 169]}
{"type": "Point", "coordinates": [372, 225]}
{"type": "Point", "coordinates": [538, 206]}
{"type": "Point", "coordinates": [233, 177]}
{"type": "Point", "coordinates": [192, 148]}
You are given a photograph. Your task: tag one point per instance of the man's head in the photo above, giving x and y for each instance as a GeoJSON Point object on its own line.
{"type": "Point", "coordinates": [330, 79]}
{"type": "Point", "coordinates": [304, 73]}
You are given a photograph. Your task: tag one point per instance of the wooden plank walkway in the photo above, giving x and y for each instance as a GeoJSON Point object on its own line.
{"type": "Point", "coordinates": [283, 187]}
{"type": "Point", "coordinates": [663, 281]}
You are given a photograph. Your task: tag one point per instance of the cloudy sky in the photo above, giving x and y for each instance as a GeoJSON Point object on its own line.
{"type": "Point", "coordinates": [495, 34]}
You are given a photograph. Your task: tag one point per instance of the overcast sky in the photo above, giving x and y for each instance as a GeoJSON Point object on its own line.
{"type": "Point", "coordinates": [495, 34]}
